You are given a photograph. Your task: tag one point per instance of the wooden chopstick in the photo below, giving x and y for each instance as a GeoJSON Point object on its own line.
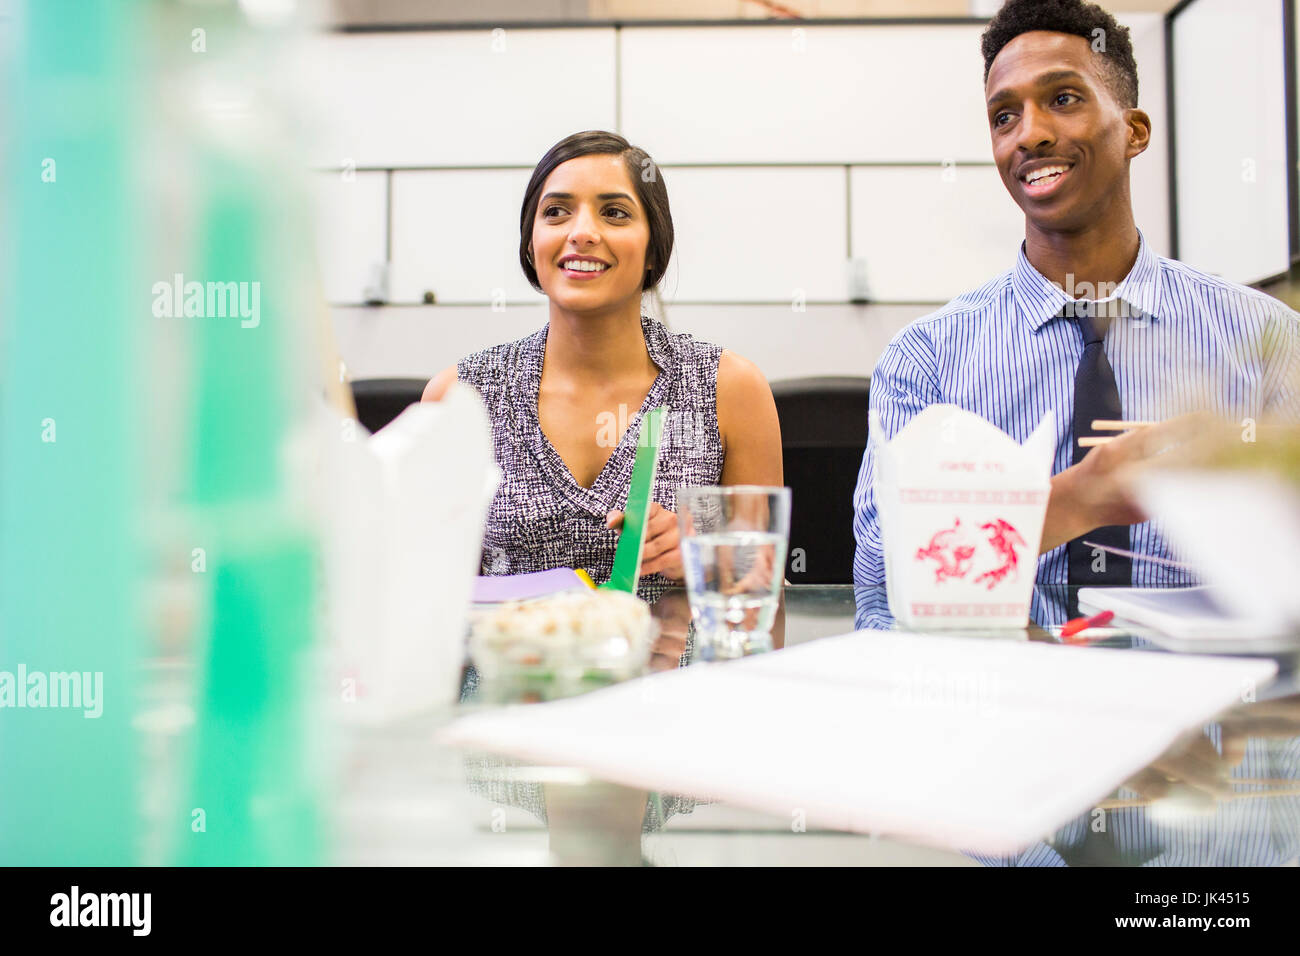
{"type": "Point", "coordinates": [1117, 425]}
{"type": "Point", "coordinates": [1109, 425]}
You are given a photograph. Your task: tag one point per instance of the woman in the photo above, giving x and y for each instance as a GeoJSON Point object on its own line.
{"type": "Point", "coordinates": [566, 403]}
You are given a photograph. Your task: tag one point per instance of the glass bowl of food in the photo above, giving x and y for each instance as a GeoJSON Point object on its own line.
{"type": "Point", "coordinates": [564, 644]}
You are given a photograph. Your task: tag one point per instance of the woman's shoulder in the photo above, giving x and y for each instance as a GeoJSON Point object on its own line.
{"type": "Point", "coordinates": [723, 368]}
{"type": "Point", "coordinates": [500, 363]}
{"type": "Point", "coordinates": [681, 349]}
{"type": "Point", "coordinates": [740, 381]}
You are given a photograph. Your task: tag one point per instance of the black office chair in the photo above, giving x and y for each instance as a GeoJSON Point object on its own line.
{"type": "Point", "coordinates": [823, 436]}
{"type": "Point", "coordinates": [380, 400]}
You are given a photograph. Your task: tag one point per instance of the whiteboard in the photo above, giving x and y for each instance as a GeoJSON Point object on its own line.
{"type": "Point", "coordinates": [736, 96]}
{"type": "Point", "coordinates": [1229, 101]}
{"type": "Point", "coordinates": [460, 97]}
{"type": "Point", "coordinates": [927, 235]}
{"type": "Point", "coordinates": [805, 94]}
{"type": "Point", "coordinates": [456, 234]}
{"type": "Point", "coordinates": [351, 223]}
{"type": "Point", "coordinates": [757, 235]}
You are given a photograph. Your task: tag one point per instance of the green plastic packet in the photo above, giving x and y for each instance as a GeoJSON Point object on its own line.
{"type": "Point", "coordinates": [636, 513]}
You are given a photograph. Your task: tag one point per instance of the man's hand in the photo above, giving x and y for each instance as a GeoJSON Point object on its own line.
{"type": "Point", "coordinates": [1199, 773]}
{"type": "Point", "coordinates": [1096, 492]}
{"type": "Point", "coordinates": [659, 552]}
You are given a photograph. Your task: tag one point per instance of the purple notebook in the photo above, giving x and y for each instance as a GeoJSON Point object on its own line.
{"type": "Point", "coordinates": [524, 587]}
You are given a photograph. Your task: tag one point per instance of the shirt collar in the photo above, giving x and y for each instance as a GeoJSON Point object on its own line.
{"type": "Point", "coordinates": [1040, 301]}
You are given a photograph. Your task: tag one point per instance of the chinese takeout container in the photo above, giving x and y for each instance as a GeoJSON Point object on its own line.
{"type": "Point", "coordinates": [961, 507]}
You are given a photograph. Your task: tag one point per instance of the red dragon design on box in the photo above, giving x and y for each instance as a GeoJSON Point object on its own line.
{"type": "Point", "coordinates": [954, 556]}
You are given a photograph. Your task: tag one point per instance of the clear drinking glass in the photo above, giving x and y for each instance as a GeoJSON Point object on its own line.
{"type": "Point", "coordinates": [733, 543]}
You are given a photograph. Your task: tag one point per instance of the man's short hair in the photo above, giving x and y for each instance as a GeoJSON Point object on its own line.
{"type": "Point", "coordinates": [1108, 39]}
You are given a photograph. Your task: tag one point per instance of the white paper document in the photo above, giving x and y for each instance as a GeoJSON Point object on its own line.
{"type": "Point", "coordinates": [957, 742]}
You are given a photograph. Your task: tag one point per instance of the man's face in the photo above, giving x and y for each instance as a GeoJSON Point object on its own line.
{"type": "Point", "coordinates": [1060, 139]}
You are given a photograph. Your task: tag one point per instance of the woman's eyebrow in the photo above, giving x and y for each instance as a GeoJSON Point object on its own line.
{"type": "Point", "coordinates": [570, 196]}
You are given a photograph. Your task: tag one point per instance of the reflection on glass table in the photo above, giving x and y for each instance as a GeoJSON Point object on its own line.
{"type": "Point", "coordinates": [1226, 794]}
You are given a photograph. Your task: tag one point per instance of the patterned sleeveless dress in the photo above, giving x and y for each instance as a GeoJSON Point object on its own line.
{"type": "Point", "coordinates": [541, 517]}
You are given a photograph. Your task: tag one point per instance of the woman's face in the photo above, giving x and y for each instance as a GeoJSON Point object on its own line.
{"type": "Point", "coordinates": [590, 235]}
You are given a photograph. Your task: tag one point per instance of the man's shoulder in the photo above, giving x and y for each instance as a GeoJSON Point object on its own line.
{"type": "Point", "coordinates": [1179, 275]}
{"type": "Point", "coordinates": [960, 314]}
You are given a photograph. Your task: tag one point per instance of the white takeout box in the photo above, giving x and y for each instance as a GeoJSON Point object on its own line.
{"type": "Point", "coordinates": [961, 508]}
{"type": "Point", "coordinates": [405, 532]}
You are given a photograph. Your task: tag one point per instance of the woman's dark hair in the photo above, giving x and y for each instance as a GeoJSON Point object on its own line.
{"type": "Point", "coordinates": [1087, 20]}
{"type": "Point", "coordinates": [645, 176]}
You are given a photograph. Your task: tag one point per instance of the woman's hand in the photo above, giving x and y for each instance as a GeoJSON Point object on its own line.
{"type": "Point", "coordinates": [660, 552]}
{"type": "Point", "coordinates": [673, 613]}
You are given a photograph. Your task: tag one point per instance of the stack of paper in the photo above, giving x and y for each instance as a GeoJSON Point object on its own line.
{"type": "Point", "coordinates": [962, 743]}
{"type": "Point", "coordinates": [1200, 619]}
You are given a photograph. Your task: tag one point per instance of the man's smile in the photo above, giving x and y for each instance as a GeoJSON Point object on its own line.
{"type": "Point", "coordinates": [1041, 178]}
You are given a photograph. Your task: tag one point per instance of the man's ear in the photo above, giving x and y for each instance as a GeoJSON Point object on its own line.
{"type": "Point", "coordinates": [1139, 132]}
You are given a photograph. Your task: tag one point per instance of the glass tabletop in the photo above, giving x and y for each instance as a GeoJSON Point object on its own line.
{"type": "Point", "coordinates": [1227, 793]}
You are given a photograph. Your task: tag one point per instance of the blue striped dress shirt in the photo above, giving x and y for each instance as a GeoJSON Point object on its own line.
{"type": "Point", "coordinates": [1184, 340]}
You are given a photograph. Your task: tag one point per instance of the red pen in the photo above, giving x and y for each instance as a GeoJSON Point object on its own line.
{"type": "Point", "coordinates": [1078, 624]}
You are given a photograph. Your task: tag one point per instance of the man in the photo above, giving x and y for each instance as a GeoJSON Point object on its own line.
{"type": "Point", "coordinates": [1089, 323]}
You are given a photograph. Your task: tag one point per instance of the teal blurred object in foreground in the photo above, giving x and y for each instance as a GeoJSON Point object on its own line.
{"type": "Point", "coordinates": [143, 437]}
{"type": "Point", "coordinates": [69, 448]}
{"type": "Point", "coordinates": [247, 796]}
{"type": "Point", "coordinates": [249, 773]}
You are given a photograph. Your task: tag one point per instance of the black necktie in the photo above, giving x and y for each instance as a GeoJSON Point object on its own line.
{"type": "Point", "coordinates": [1095, 396]}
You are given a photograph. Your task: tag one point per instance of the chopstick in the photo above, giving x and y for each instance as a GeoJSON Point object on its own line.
{"type": "Point", "coordinates": [1109, 425]}
{"type": "Point", "coordinates": [1117, 425]}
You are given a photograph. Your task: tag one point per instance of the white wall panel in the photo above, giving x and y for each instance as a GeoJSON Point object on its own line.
{"type": "Point", "coordinates": [929, 234]}
{"type": "Point", "coordinates": [351, 223]}
{"type": "Point", "coordinates": [456, 233]}
{"type": "Point", "coordinates": [457, 97]}
{"type": "Point", "coordinates": [1229, 89]}
{"type": "Point", "coordinates": [850, 94]}
{"type": "Point", "coordinates": [757, 235]}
